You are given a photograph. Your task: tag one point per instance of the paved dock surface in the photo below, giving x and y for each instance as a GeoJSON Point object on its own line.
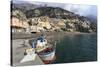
{"type": "Point", "coordinates": [24, 35]}
{"type": "Point", "coordinates": [18, 47]}
{"type": "Point", "coordinates": [37, 61]}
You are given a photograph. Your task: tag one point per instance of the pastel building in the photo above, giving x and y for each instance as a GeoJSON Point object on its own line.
{"type": "Point", "coordinates": [18, 25]}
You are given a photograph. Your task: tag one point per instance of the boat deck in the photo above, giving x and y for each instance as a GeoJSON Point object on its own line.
{"type": "Point", "coordinates": [41, 49]}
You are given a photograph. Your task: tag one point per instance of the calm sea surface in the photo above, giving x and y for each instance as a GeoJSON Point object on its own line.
{"type": "Point", "coordinates": [76, 48]}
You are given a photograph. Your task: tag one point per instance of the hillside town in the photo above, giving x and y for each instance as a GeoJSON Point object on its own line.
{"type": "Point", "coordinates": [20, 23]}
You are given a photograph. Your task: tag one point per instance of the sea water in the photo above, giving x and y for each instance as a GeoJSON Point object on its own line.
{"type": "Point", "coordinates": [76, 48]}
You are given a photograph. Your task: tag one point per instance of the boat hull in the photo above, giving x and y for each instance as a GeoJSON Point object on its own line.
{"type": "Point", "coordinates": [48, 57]}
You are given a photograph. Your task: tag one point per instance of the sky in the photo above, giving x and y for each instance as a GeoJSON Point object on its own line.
{"type": "Point", "coordinates": [83, 10]}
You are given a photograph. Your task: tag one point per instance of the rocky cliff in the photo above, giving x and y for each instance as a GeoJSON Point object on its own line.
{"type": "Point", "coordinates": [60, 20]}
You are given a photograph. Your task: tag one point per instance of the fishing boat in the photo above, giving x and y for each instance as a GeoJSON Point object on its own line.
{"type": "Point", "coordinates": [45, 50]}
{"type": "Point", "coordinates": [47, 55]}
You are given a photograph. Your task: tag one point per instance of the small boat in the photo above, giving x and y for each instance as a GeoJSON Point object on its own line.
{"type": "Point", "coordinates": [43, 49]}
{"type": "Point", "coordinates": [47, 55]}
{"type": "Point", "coordinates": [47, 51]}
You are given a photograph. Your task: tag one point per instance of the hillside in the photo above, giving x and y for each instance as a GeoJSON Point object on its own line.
{"type": "Point", "coordinates": [62, 19]}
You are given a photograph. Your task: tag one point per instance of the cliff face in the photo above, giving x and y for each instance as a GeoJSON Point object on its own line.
{"type": "Point", "coordinates": [57, 19]}
{"type": "Point", "coordinates": [70, 21]}
{"type": "Point", "coordinates": [50, 12]}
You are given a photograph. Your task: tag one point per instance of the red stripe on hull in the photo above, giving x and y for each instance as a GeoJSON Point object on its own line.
{"type": "Point", "coordinates": [49, 61]}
